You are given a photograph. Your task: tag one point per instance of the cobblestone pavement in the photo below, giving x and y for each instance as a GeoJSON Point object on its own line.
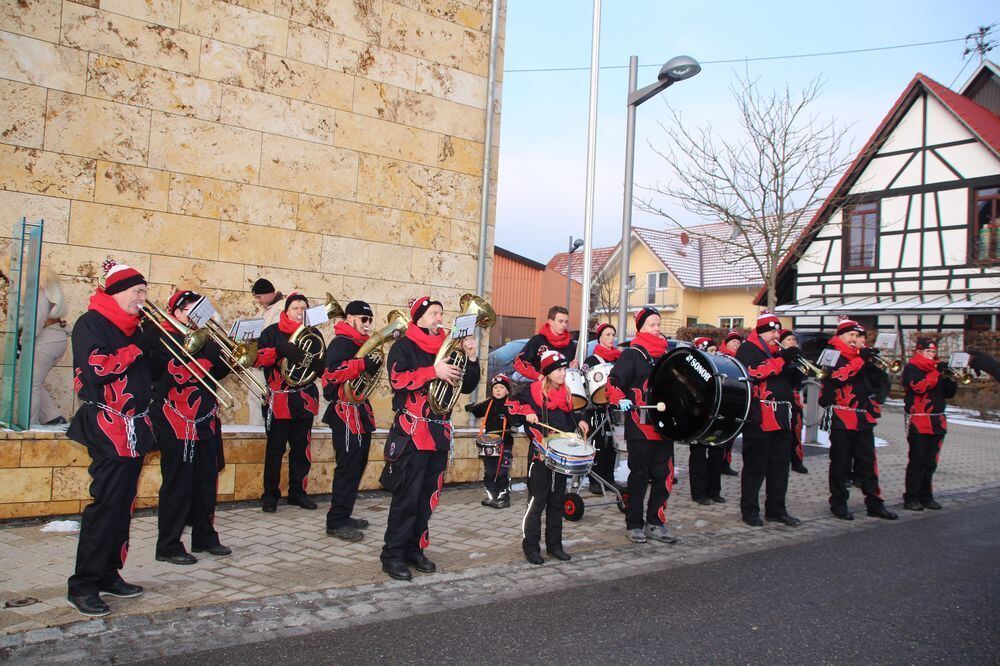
{"type": "Point", "coordinates": [287, 577]}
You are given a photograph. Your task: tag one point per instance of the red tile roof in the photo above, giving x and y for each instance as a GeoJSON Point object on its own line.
{"type": "Point", "coordinates": [981, 121]}
{"type": "Point", "coordinates": [598, 257]}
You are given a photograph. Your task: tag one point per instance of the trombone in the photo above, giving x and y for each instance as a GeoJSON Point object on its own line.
{"type": "Point", "coordinates": [807, 367]}
{"type": "Point", "coordinates": [239, 356]}
{"type": "Point", "coordinates": [157, 316]}
{"type": "Point", "coordinates": [963, 378]}
{"type": "Point", "coordinates": [891, 367]}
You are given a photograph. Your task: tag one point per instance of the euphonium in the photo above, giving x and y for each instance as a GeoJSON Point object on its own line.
{"type": "Point", "coordinates": [441, 395]}
{"type": "Point", "coordinates": [311, 344]}
{"type": "Point", "coordinates": [358, 389]}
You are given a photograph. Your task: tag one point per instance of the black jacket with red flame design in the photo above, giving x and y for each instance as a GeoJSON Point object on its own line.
{"type": "Point", "coordinates": [629, 379]}
{"type": "Point", "coordinates": [526, 363]}
{"type": "Point", "coordinates": [341, 368]}
{"type": "Point", "coordinates": [109, 368]}
{"type": "Point", "coordinates": [850, 390]}
{"type": "Point", "coordinates": [925, 398]}
{"type": "Point", "coordinates": [286, 402]}
{"type": "Point", "coordinates": [178, 396]}
{"type": "Point", "coordinates": [535, 401]}
{"type": "Point", "coordinates": [411, 370]}
{"type": "Point", "coordinates": [774, 384]}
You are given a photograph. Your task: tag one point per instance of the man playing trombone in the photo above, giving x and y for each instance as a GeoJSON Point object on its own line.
{"type": "Point", "coordinates": [927, 384]}
{"type": "Point", "coordinates": [112, 380]}
{"type": "Point", "coordinates": [188, 431]}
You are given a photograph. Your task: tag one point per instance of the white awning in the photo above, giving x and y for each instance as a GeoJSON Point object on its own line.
{"type": "Point", "coordinates": [977, 303]}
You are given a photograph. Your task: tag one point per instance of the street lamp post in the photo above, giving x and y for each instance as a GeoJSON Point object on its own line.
{"type": "Point", "coordinates": [676, 69]}
{"type": "Point", "coordinates": [574, 245]}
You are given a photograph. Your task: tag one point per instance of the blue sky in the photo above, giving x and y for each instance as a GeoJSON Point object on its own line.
{"type": "Point", "coordinates": [543, 141]}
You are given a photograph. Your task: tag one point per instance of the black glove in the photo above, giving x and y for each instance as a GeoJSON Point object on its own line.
{"type": "Point", "coordinates": [468, 407]}
{"type": "Point", "coordinates": [290, 351]}
{"type": "Point", "coordinates": [373, 363]}
{"type": "Point", "coordinates": [148, 338]}
{"type": "Point", "coordinates": [868, 353]}
{"type": "Point", "coordinates": [942, 366]}
{"type": "Point", "coordinates": [790, 354]}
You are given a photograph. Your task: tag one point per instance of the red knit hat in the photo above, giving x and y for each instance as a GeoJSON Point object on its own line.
{"type": "Point", "coordinates": [703, 343]}
{"type": "Point", "coordinates": [551, 361]}
{"type": "Point", "coordinates": [767, 321]}
{"type": "Point", "coordinates": [418, 306]}
{"type": "Point", "coordinates": [119, 277]}
{"type": "Point", "coordinates": [501, 379]}
{"type": "Point", "coordinates": [845, 325]}
{"type": "Point", "coordinates": [181, 298]}
{"type": "Point", "coordinates": [733, 335]}
{"type": "Point", "coordinates": [926, 343]}
{"type": "Point", "coordinates": [642, 315]}
{"type": "Point", "coordinates": [601, 327]}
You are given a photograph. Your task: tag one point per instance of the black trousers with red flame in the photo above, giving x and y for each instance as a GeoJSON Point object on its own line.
{"type": "Point", "coordinates": [650, 466]}
{"type": "Point", "coordinates": [296, 434]}
{"type": "Point", "coordinates": [415, 480]}
{"type": "Point", "coordinates": [705, 469]}
{"type": "Point", "coordinates": [352, 459]}
{"type": "Point", "coordinates": [766, 457]}
{"type": "Point", "coordinates": [188, 493]}
{"type": "Point", "coordinates": [857, 448]}
{"type": "Point", "coordinates": [104, 527]}
{"type": "Point", "coordinates": [923, 462]}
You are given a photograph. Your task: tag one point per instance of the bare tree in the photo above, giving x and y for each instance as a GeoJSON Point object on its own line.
{"type": "Point", "coordinates": [765, 183]}
{"type": "Point", "coordinates": [604, 295]}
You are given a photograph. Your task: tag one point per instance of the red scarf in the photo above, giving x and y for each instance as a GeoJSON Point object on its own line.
{"type": "Point", "coordinates": [556, 397]}
{"type": "Point", "coordinates": [109, 308]}
{"type": "Point", "coordinates": [429, 343]}
{"type": "Point", "coordinates": [557, 341]}
{"type": "Point", "coordinates": [654, 344]}
{"type": "Point", "coordinates": [847, 351]}
{"type": "Point", "coordinates": [923, 363]}
{"type": "Point", "coordinates": [725, 350]}
{"type": "Point", "coordinates": [345, 329]}
{"type": "Point", "coordinates": [286, 324]}
{"type": "Point", "coordinates": [607, 354]}
{"type": "Point", "coordinates": [771, 348]}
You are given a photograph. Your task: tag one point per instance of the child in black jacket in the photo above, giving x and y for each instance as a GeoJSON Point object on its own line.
{"type": "Point", "coordinates": [497, 420]}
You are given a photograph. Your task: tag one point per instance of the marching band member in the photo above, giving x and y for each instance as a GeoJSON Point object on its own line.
{"type": "Point", "coordinates": [705, 462]}
{"type": "Point", "coordinates": [849, 394]}
{"type": "Point", "coordinates": [730, 344]}
{"type": "Point", "coordinates": [271, 304]}
{"type": "Point", "coordinates": [417, 447]}
{"type": "Point", "coordinates": [788, 339]}
{"type": "Point", "coordinates": [650, 455]}
{"type": "Point", "coordinates": [767, 436]}
{"type": "Point", "coordinates": [290, 412]}
{"type": "Point", "coordinates": [927, 388]}
{"type": "Point", "coordinates": [188, 434]}
{"type": "Point", "coordinates": [113, 383]}
{"type": "Point", "coordinates": [352, 424]}
{"type": "Point", "coordinates": [605, 351]}
{"type": "Point", "coordinates": [553, 335]}
{"type": "Point", "coordinates": [548, 402]}
{"type": "Point", "coordinates": [498, 420]}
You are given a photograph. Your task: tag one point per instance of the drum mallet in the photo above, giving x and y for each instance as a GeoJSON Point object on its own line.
{"type": "Point", "coordinates": [660, 407]}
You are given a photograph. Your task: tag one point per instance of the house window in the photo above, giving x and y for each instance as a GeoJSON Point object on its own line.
{"type": "Point", "coordinates": [654, 282]}
{"type": "Point", "coordinates": [730, 322]}
{"type": "Point", "coordinates": [986, 225]}
{"type": "Point", "coordinates": [631, 282]}
{"type": "Point", "coordinates": [860, 238]}
{"type": "Point", "coordinates": [692, 321]}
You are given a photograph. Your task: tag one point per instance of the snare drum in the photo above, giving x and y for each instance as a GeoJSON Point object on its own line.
{"type": "Point", "coordinates": [597, 383]}
{"type": "Point", "coordinates": [567, 454]}
{"type": "Point", "coordinates": [488, 445]}
{"type": "Point", "coordinates": [577, 387]}
{"type": "Point", "coordinates": [707, 396]}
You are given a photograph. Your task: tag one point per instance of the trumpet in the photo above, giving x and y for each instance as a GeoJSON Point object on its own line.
{"type": "Point", "coordinates": [158, 317]}
{"type": "Point", "coordinates": [312, 345]}
{"type": "Point", "coordinates": [441, 395]}
{"type": "Point", "coordinates": [807, 367]}
{"type": "Point", "coordinates": [963, 378]}
{"type": "Point", "coordinates": [358, 389]}
{"type": "Point", "coordinates": [238, 356]}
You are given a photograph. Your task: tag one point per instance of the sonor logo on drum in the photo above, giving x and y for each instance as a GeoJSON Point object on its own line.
{"type": "Point", "coordinates": [699, 368]}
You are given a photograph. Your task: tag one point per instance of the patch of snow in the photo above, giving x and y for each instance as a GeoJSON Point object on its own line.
{"type": "Point", "coordinates": [62, 526]}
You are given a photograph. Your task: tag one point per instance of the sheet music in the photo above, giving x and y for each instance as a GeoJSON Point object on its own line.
{"type": "Point", "coordinates": [958, 360]}
{"type": "Point", "coordinates": [316, 315]}
{"type": "Point", "coordinates": [464, 326]}
{"type": "Point", "coordinates": [201, 312]}
{"type": "Point", "coordinates": [244, 330]}
{"type": "Point", "coordinates": [829, 358]}
{"type": "Point", "coordinates": [886, 341]}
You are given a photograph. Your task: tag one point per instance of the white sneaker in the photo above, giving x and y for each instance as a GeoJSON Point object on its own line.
{"type": "Point", "coordinates": [636, 535]}
{"type": "Point", "coordinates": [659, 533]}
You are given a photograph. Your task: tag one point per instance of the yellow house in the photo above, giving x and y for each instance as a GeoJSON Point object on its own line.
{"type": "Point", "coordinates": [690, 275]}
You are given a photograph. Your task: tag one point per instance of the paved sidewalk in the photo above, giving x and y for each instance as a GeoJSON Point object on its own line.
{"type": "Point", "coordinates": [288, 556]}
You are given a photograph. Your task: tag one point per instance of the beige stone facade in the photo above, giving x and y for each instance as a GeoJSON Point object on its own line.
{"type": "Point", "coordinates": [328, 145]}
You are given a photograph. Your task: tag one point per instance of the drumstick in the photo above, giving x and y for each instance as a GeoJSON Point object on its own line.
{"type": "Point", "coordinates": [660, 407]}
{"type": "Point", "coordinates": [555, 430]}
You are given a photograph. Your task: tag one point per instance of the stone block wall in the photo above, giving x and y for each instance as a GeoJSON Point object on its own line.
{"type": "Point", "coordinates": [328, 145]}
{"type": "Point", "coordinates": [45, 474]}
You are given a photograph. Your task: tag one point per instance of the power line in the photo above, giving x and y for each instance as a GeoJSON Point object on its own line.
{"type": "Point", "coordinates": [741, 60]}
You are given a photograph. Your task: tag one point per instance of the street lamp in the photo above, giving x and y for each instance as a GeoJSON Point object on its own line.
{"type": "Point", "coordinates": [574, 245]}
{"type": "Point", "coordinates": [676, 69]}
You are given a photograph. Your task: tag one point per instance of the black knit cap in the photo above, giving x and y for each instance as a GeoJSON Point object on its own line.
{"type": "Point", "coordinates": [359, 308]}
{"type": "Point", "coordinates": [295, 296]}
{"type": "Point", "coordinates": [501, 379]}
{"type": "Point", "coordinates": [642, 315]}
{"type": "Point", "coordinates": [262, 286]}
{"type": "Point", "coordinates": [786, 333]}
{"type": "Point", "coordinates": [926, 343]}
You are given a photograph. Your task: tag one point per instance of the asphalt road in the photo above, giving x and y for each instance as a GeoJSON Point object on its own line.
{"type": "Point", "coordinates": [917, 591]}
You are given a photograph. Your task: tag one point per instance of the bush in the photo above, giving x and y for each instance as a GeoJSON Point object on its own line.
{"type": "Point", "coordinates": [689, 333]}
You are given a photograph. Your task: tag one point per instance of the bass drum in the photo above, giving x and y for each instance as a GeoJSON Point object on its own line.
{"type": "Point", "coordinates": [707, 396]}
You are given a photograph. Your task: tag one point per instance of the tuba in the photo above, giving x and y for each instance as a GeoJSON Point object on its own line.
{"type": "Point", "coordinates": [310, 342]}
{"type": "Point", "coordinates": [358, 389]}
{"type": "Point", "coordinates": [441, 395]}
